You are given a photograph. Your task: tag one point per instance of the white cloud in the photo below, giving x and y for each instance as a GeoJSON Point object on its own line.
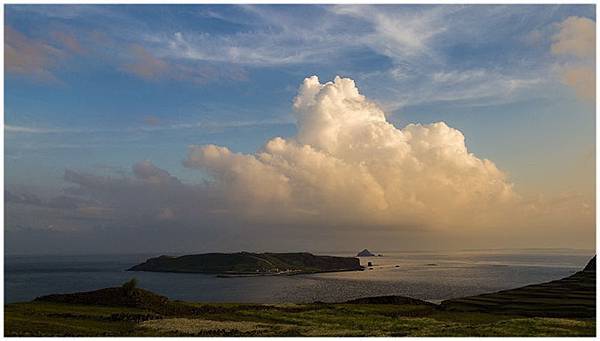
{"type": "Point", "coordinates": [347, 164]}
{"type": "Point", "coordinates": [281, 37]}
{"type": "Point", "coordinates": [29, 130]}
{"type": "Point", "coordinates": [397, 35]}
{"type": "Point", "coordinates": [346, 174]}
{"type": "Point", "coordinates": [454, 77]}
{"type": "Point", "coordinates": [470, 87]}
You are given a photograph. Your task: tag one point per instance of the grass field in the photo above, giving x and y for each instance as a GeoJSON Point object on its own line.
{"type": "Point", "coordinates": [55, 319]}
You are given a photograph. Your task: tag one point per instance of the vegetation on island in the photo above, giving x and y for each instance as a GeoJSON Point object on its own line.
{"type": "Point", "coordinates": [247, 263]}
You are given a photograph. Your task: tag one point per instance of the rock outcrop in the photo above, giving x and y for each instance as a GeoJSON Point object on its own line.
{"type": "Point", "coordinates": [365, 253]}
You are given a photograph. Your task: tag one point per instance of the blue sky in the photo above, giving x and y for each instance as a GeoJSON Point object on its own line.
{"type": "Point", "coordinates": [98, 88]}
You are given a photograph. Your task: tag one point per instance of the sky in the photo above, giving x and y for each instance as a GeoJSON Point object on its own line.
{"type": "Point", "coordinates": [197, 128]}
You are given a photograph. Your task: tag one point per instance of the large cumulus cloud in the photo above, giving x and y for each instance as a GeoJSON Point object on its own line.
{"type": "Point", "coordinates": [348, 164]}
{"type": "Point", "coordinates": [347, 178]}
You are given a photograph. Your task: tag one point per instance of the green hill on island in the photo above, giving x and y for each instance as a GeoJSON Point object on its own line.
{"type": "Point", "coordinates": [249, 263]}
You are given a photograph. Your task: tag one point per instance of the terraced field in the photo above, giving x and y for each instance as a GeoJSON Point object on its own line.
{"type": "Point", "coordinates": [573, 296]}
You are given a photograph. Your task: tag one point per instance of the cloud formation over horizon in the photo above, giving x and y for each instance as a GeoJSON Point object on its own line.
{"type": "Point", "coordinates": [348, 164]}
{"type": "Point", "coordinates": [347, 169]}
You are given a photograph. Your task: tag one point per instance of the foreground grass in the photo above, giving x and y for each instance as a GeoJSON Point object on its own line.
{"type": "Point", "coordinates": [56, 319]}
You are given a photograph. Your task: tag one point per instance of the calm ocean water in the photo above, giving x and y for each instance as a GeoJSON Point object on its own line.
{"type": "Point", "coordinates": [432, 276]}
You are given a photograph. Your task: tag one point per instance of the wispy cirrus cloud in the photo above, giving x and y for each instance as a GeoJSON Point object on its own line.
{"type": "Point", "coordinates": [31, 130]}
{"type": "Point", "coordinates": [276, 37]}
{"type": "Point", "coordinates": [398, 35]}
{"type": "Point", "coordinates": [153, 124]}
{"type": "Point", "coordinates": [417, 41]}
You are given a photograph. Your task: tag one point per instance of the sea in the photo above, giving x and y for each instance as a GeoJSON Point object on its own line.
{"type": "Point", "coordinates": [427, 275]}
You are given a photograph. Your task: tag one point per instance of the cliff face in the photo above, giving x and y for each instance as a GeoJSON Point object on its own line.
{"type": "Point", "coordinates": [249, 263]}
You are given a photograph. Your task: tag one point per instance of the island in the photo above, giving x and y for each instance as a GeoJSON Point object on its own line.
{"type": "Point", "coordinates": [248, 263]}
{"type": "Point", "coordinates": [365, 253]}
